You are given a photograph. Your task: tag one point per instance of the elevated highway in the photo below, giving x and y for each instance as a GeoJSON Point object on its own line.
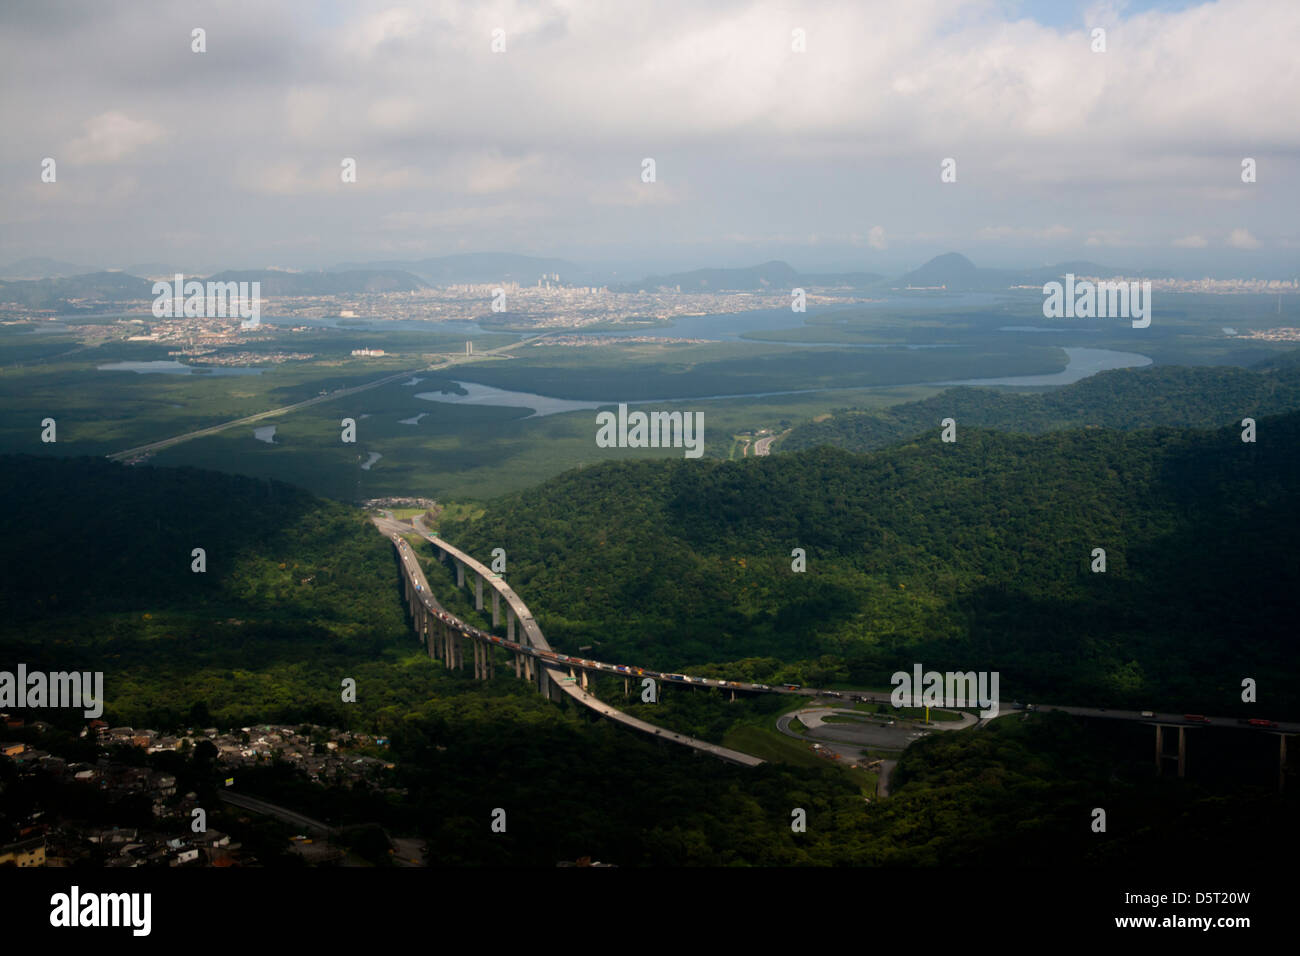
{"type": "Point", "coordinates": [534, 659]}
{"type": "Point", "coordinates": [446, 635]}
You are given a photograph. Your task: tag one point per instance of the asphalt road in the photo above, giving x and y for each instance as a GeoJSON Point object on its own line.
{"type": "Point", "coordinates": [253, 804]}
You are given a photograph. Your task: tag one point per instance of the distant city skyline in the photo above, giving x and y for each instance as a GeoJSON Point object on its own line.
{"type": "Point", "coordinates": [827, 158]}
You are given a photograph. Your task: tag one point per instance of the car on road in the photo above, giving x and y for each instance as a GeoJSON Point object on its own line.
{"type": "Point", "coordinates": [1261, 722]}
{"type": "Point", "coordinates": [1196, 718]}
{"type": "Point", "coordinates": [1147, 713]}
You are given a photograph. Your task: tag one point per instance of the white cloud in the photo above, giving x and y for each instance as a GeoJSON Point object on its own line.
{"type": "Point", "coordinates": [111, 136]}
{"type": "Point", "coordinates": [1242, 239]}
{"type": "Point", "coordinates": [1037, 233]}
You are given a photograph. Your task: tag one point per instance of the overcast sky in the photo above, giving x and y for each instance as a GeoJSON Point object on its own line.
{"type": "Point", "coordinates": [828, 158]}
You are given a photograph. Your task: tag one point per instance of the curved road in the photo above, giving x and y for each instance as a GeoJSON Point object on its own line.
{"type": "Point", "coordinates": [535, 644]}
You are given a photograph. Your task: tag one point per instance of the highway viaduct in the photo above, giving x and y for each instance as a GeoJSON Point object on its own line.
{"type": "Point", "coordinates": [445, 637]}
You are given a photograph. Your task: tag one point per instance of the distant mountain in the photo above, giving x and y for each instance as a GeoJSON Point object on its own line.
{"type": "Point", "coordinates": [479, 267]}
{"type": "Point", "coordinates": [953, 271]}
{"type": "Point", "coordinates": [59, 293]}
{"type": "Point", "coordinates": [325, 283]}
{"type": "Point", "coordinates": [956, 273]}
{"type": "Point", "coordinates": [42, 268]}
{"type": "Point", "coordinates": [770, 276]}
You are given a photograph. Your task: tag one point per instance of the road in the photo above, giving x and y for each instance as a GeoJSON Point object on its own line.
{"type": "Point", "coordinates": [332, 396]}
{"type": "Point", "coordinates": [253, 804]}
{"type": "Point", "coordinates": [534, 644]}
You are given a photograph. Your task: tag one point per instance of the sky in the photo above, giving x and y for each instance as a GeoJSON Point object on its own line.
{"type": "Point", "coordinates": [829, 158]}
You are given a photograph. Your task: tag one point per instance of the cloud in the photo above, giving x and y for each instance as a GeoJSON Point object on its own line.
{"type": "Point", "coordinates": [110, 137]}
{"type": "Point", "coordinates": [1242, 239]}
{"type": "Point", "coordinates": [1047, 233]}
{"type": "Point", "coordinates": [1129, 147]}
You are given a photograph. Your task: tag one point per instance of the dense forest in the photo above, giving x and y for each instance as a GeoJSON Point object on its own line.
{"type": "Point", "coordinates": [1184, 397]}
{"type": "Point", "coordinates": [97, 543]}
{"type": "Point", "coordinates": [973, 554]}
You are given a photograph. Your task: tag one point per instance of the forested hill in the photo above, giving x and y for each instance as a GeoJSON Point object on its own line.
{"type": "Point", "coordinates": [1198, 397]}
{"type": "Point", "coordinates": [84, 536]}
{"type": "Point", "coordinates": [973, 554]}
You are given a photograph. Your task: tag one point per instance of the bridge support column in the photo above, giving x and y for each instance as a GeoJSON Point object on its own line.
{"type": "Point", "coordinates": [1281, 762]}
{"type": "Point", "coordinates": [460, 575]}
{"type": "Point", "coordinates": [478, 592]}
{"type": "Point", "coordinates": [584, 680]}
{"type": "Point", "coordinates": [625, 687]}
{"type": "Point", "coordinates": [496, 607]}
{"type": "Point", "coordinates": [1181, 756]}
{"type": "Point", "coordinates": [517, 656]}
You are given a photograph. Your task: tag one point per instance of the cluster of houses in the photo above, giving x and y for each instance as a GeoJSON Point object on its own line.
{"type": "Point", "coordinates": [324, 755]}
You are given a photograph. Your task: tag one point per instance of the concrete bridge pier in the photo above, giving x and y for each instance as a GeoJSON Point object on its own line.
{"type": "Point", "coordinates": [1161, 756]}
{"type": "Point", "coordinates": [517, 656]}
{"type": "Point", "coordinates": [460, 575]}
{"type": "Point", "coordinates": [1281, 762]}
{"type": "Point", "coordinates": [625, 687]}
{"type": "Point", "coordinates": [510, 623]}
{"type": "Point", "coordinates": [584, 680]}
{"type": "Point", "coordinates": [478, 592]}
{"type": "Point", "coordinates": [496, 608]}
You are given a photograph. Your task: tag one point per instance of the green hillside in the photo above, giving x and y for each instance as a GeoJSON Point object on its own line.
{"type": "Point", "coordinates": [974, 554]}
{"type": "Point", "coordinates": [1185, 397]}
